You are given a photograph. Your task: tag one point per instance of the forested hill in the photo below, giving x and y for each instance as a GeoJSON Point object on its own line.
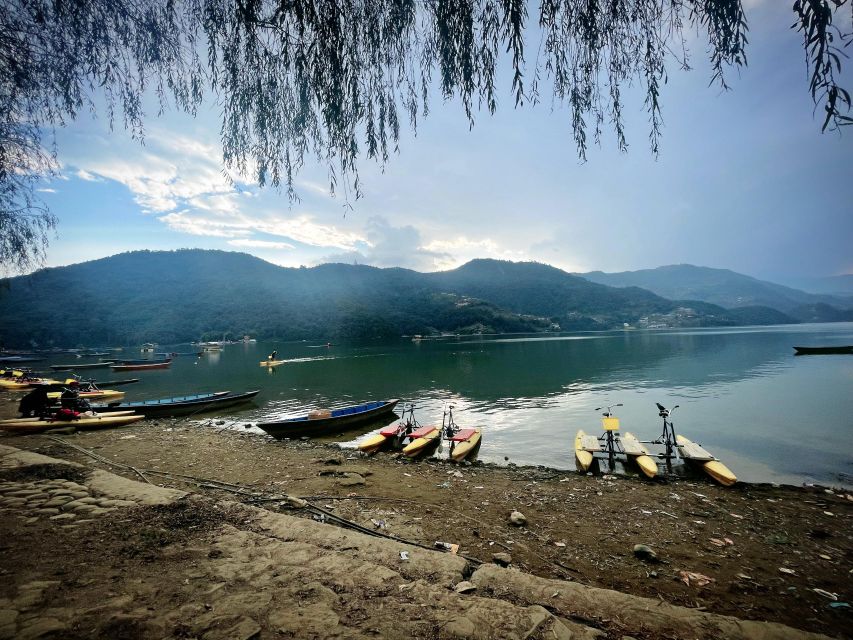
{"type": "Point", "coordinates": [729, 289]}
{"type": "Point", "coordinates": [175, 296]}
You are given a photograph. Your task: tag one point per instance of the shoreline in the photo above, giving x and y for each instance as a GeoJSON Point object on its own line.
{"type": "Point", "coordinates": [579, 528]}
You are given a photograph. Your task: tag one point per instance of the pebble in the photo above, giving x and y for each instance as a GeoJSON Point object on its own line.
{"type": "Point", "coordinates": [517, 518]}
{"type": "Point", "coordinates": [63, 516]}
{"type": "Point", "coordinates": [644, 552]}
{"type": "Point", "coordinates": [47, 511]}
{"type": "Point", "coordinates": [465, 587]}
{"type": "Point", "coordinates": [502, 559]}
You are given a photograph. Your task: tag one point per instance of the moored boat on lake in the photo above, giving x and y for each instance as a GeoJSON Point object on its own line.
{"type": "Point", "coordinates": [91, 365]}
{"type": "Point", "coordinates": [320, 422]}
{"type": "Point", "coordinates": [141, 367]}
{"type": "Point", "coordinates": [809, 351]}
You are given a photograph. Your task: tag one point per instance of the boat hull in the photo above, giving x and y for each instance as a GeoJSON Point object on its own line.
{"type": "Point", "coordinates": [139, 367]}
{"type": "Point", "coordinates": [463, 448]}
{"type": "Point", "coordinates": [346, 418]}
{"type": "Point", "coordinates": [98, 422]}
{"type": "Point", "coordinates": [809, 351]}
{"type": "Point", "coordinates": [183, 405]}
{"type": "Point", "coordinates": [695, 454]}
{"type": "Point", "coordinates": [420, 446]}
{"type": "Point", "coordinates": [583, 458]}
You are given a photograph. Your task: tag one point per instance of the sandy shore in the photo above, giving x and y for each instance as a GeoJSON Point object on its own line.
{"type": "Point", "coordinates": [753, 551]}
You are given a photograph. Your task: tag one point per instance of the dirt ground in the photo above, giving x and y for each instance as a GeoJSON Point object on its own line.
{"type": "Point", "coordinates": [757, 552]}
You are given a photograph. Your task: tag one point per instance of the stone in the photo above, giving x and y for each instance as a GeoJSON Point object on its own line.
{"type": "Point", "coordinates": [351, 480]}
{"type": "Point", "coordinates": [57, 501]}
{"type": "Point", "coordinates": [646, 553]}
{"type": "Point", "coordinates": [518, 519]}
{"type": "Point", "coordinates": [47, 511]}
{"type": "Point", "coordinates": [502, 559]}
{"type": "Point", "coordinates": [88, 500]}
{"type": "Point", "coordinates": [39, 627]}
{"type": "Point", "coordinates": [63, 516]}
{"type": "Point", "coordinates": [84, 508]}
{"type": "Point", "coordinates": [7, 616]}
{"type": "Point", "coordinates": [70, 506]}
{"type": "Point", "coordinates": [465, 587]}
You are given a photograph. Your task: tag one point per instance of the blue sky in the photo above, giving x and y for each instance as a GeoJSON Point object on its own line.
{"type": "Point", "coordinates": [744, 181]}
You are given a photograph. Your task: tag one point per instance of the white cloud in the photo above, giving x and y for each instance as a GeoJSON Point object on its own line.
{"type": "Point", "coordinates": [88, 177]}
{"type": "Point", "coordinates": [46, 190]}
{"type": "Point", "coordinates": [260, 244]}
{"type": "Point", "coordinates": [458, 250]}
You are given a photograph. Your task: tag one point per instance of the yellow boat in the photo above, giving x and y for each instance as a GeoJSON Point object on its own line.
{"type": "Point", "coordinates": [20, 385]}
{"type": "Point", "coordinates": [465, 442]}
{"type": "Point", "coordinates": [110, 414]}
{"type": "Point", "coordinates": [272, 363]}
{"type": "Point", "coordinates": [639, 454]}
{"type": "Point", "coordinates": [99, 422]}
{"type": "Point", "coordinates": [692, 452]}
{"type": "Point", "coordinates": [584, 447]}
{"type": "Point", "coordinates": [423, 439]}
{"type": "Point", "coordinates": [97, 394]}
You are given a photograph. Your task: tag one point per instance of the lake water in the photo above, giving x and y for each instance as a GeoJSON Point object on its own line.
{"type": "Point", "coordinates": [770, 416]}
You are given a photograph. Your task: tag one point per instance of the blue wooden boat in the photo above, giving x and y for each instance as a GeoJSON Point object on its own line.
{"type": "Point", "coordinates": [329, 421]}
{"type": "Point", "coordinates": [181, 405]}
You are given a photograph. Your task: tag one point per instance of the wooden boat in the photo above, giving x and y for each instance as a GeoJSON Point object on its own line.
{"type": "Point", "coordinates": [634, 449]}
{"type": "Point", "coordinates": [91, 365]}
{"type": "Point", "coordinates": [14, 421]}
{"type": "Point", "coordinates": [140, 367]}
{"type": "Point", "coordinates": [272, 363]}
{"type": "Point", "coordinates": [585, 447]}
{"type": "Point", "coordinates": [182, 405]}
{"type": "Point", "coordinates": [692, 452]}
{"type": "Point", "coordinates": [143, 361]}
{"type": "Point", "coordinates": [808, 351]}
{"type": "Point", "coordinates": [97, 422]}
{"type": "Point", "coordinates": [464, 442]}
{"type": "Point", "coordinates": [59, 386]}
{"type": "Point", "coordinates": [19, 359]}
{"type": "Point", "coordinates": [323, 422]}
{"type": "Point", "coordinates": [175, 354]}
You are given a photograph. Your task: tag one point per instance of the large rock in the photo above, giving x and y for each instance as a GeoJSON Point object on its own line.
{"type": "Point", "coordinates": [518, 519]}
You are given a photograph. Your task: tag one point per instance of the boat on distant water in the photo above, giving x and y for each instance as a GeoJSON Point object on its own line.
{"type": "Point", "coordinates": [141, 367]}
{"type": "Point", "coordinates": [808, 351]}
{"type": "Point", "coordinates": [326, 421]}
{"type": "Point", "coordinates": [91, 365]}
{"type": "Point", "coordinates": [148, 347]}
{"type": "Point", "coordinates": [181, 405]}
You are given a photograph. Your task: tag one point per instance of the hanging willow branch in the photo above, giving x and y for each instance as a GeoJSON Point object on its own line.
{"type": "Point", "coordinates": [336, 80]}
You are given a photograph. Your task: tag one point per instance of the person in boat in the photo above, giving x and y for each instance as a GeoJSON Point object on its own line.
{"type": "Point", "coordinates": [70, 399]}
{"type": "Point", "coordinates": [35, 403]}
{"type": "Point", "coordinates": [272, 355]}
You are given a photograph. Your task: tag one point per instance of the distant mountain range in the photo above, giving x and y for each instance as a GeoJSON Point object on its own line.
{"type": "Point", "coordinates": [730, 290]}
{"type": "Point", "coordinates": [177, 296]}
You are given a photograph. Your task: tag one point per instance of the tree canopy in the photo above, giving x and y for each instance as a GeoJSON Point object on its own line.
{"type": "Point", "coordinates": [338, 79]}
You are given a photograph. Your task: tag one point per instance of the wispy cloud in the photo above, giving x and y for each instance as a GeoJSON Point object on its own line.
{"type": "Point", "coordinates": [88, 177]}
{"type": "Point", "coordinates": [260, 244]}
{"type": "Point", "coordinates": [46, 190]}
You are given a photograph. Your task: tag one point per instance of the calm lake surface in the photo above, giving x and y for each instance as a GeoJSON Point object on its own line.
{"type": "Point", "coordinates": [770, 416]}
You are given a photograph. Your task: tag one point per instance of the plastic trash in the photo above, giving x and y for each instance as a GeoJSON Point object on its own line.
{"type": "Point", "coordinates": [404, 555]}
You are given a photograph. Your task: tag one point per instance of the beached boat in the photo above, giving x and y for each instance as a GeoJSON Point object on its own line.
{"type": "Point", "coordinates": [329, 421]}
{"type": "Point", "coordinates": [638, 453]}
{"type": "Point", "coordinates": [141, 367]}
{"type": "Point", "coordinates": [423, 440]}
{"type": "Point", "coordinates": [88, 422]}
{"type": "Point", "coordinates": [182, 405]}
{"type": "Point", "coordinates": [22, 383]}
{"type": "Point", "coordinates": [464, 442]}
{"type": "Point", "coordinates": [693, 453]}
{"type": "Point", "coordinates": [91, 394]}
{"type": "Point", "coordinates": [808, 351]}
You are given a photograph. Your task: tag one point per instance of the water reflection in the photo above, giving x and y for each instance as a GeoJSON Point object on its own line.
{"type": "Point", "coordinates": [741, 391]}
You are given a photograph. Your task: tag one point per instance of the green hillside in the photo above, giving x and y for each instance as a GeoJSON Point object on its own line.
{"type": "Point", "coordinates": [722, 287]}
{"type": "Point", "coordinates": [176, 296]}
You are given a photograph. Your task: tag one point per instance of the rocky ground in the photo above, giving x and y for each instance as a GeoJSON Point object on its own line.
{"type": "Point", "coordinates": [85, 556]}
